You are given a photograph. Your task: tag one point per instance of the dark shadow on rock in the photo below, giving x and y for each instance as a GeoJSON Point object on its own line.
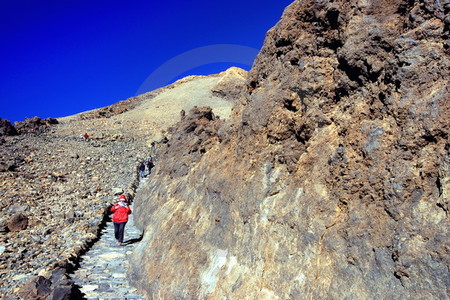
{"type": "Point", "coordinates": [132, 241]}
{"type": "Point", "coordinates": [77, 294]}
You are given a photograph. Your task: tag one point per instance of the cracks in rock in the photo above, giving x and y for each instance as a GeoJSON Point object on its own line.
{"type": "Point", "coordinates": [289, 105]}
{"type": "Point", "coordinates": [439, 186]}
{"type": "Point", "coordinates": [441, 206]}
{"type": "Point", "coordinates": [429, 138]}
{"type": "Point", "coordinates": [284, 45]}
{"type": "Point", "coordinates": [356, 73]}
{"type": "Point", "coordinates": [399, 274]}
{"type": "Point", "coordinates": [440, 189]}
{"type": "Point", "coordinates": [433, 137]}
{"type": "Point", "coordinates": [302, 94]}
{"type": "Point", "coordinates": [383, 44]}
{"type": "Point", "coordinates": [283, 42]}
{"type": "Point", "coordinates": [342, 206]}
{"type": "Point", "coordinates": [262, 281]}
{"type": "Point", "coordinates": [339, 94]}
{"type": "Point", "coordinates": [303, 134]}
{"type": "Point", "coordinates": [353, 73]}
{"type": "Point", "coordinates": [405, 7]}
{"type": "Point", "coordinates": [333, 44]}
{"type": "Point", "coordinates": [392, 215]}
{"type": "Point", "coordinates": [333, 18]}
{"type": "Point", "coordinates": [294, 61]}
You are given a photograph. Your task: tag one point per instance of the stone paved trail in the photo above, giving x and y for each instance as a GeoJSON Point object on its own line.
{"type": "Point", "coordinates": [102, 271]}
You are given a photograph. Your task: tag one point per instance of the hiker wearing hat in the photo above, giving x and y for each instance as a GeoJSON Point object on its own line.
{"type": "Point", "coordinates": [121, 211]}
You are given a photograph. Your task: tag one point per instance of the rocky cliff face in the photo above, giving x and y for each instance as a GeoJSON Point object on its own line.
{"type": "Point", "coordinates": [330, 181]}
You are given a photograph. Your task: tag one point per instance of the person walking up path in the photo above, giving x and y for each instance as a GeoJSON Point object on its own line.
{"type": "Point", "coordinates": [102, 270]}
{"type": "Point", "coordinates": [121, 211]}
{"type": "Point", "coordinates": [149, 164]}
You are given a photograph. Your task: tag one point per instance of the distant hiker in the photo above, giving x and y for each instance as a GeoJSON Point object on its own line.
{"type": "Point", "coordinates": [84, 136]}
{"type": "Point", "coordinates": [153, 148]}
{"type": "Point", "coordinates": [149, 164]}
{"type": "Point", "coordinates": [121, 211]}
{"type": "Point", "coordinates": [141, 169]}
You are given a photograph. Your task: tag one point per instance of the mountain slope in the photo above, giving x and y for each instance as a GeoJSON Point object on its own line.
{"type": "Point", "coordinates": [54, 186]}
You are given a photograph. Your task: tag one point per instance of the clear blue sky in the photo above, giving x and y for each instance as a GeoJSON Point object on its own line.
{"type": "Point", "coordinates": [61, 57]}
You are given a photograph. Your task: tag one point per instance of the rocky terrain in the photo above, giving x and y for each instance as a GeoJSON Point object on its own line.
{"type": "Point", "coordinates": [321, 174]}
{"type": "Point", "coordinates": [331, 178]}
{"type": "Point", "coordinates": [55, 186]}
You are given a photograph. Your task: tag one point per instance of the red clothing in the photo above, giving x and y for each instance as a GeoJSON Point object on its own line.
{"type": "Point", "coordinates": [120, 213]}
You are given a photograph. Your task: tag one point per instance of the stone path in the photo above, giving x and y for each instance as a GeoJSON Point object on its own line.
{"type": "Point", "coordinates": [102, 271]}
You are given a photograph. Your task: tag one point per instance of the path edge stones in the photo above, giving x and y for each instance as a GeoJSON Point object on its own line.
{"type": "Point", "coordinates": [57, 279]}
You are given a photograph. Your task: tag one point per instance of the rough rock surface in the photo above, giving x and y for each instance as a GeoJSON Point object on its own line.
{"type": "Point", "coordinates": [34, 125]}
{"type": "Point", "coordinates": [55, 186]}
{"type": "Point", "coordinates": [230, 85]}
{"type": "Point", "coordinates": [6, 128]}
{"type": "Point", "coordinates": [332, 178]}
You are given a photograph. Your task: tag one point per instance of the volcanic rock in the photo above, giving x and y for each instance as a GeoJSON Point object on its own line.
{"type": "Point", "coordinates": [57, 286]}
{"type": "Point", "coordinates": [34, 125]}
{"type": "Point", "coordinates": [231, 84]}
{"type": "Point", "coordinates": [37, 289]}
{"type": "Point", "coordinates": [331, 178]}
{"type": "Point", "coordinates": [3, 225]}
{"type": "Point", "coordinates": [18, 222]}
{"type": "Point", "coordinates": [6, 128]}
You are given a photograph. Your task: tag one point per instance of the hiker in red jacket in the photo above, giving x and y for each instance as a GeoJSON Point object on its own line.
{"type": "Point", "coordinates": [121, 211]}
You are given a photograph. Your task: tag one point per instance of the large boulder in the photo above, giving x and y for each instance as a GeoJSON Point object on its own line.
{"type": "Point", "coordinates": [34, 125]}
{"type": "Point", "coordinates": [39, 288]}
{"type": "Point", "coordinates": [18, 222]}
{"type": "Point", "coordinates": [6, 128]}
{"type": "Point", "coordinates": [57, 287]}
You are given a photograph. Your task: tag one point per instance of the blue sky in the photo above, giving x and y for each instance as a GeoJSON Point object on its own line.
{"type": "Point", "coordinates": [63, 57]}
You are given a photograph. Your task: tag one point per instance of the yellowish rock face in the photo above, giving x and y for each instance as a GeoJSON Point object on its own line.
{"type": "Point", "coordinates": [328, 181]}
